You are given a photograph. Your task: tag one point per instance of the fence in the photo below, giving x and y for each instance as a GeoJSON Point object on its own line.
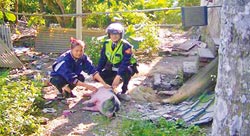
{"type": "Point", "coordinates": [5, 35]}
{"type": "Point", "coordinates": [56, 40]}
{"type": "Point", "coordinates": [7, 57]}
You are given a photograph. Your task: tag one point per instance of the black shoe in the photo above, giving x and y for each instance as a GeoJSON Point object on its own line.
{"type": "Point", "coordinates": [69, 95]}
{"type": "Point", "coordinates": [123, 97]}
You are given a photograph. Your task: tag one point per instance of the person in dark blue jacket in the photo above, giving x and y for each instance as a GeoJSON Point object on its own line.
{"type": "Point", "coordinates": [66, 71]}
{"type": "Point", "coordinates": [117, 62]}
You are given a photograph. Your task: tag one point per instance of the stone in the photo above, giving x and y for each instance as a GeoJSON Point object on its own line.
{"type": "Point", "coordinates": [186, 46]}
{"type": "Point", "coordinates": [166, 85]}
{"type": "Point", "coordinates": [205, 53]}
{"type": "Point", "coordinates": [174, 82]}
{"type": "Point", "coordinates": [190, 67]}
{"type": "Point", "coordinates": [157, 79]}
{"type": "Point", "coordinates": [39, 67]}
{"type": "Point", "coordinates": [48, 110]}
{"type": "Point", "coordinates": [153, 106]}
{"type": "Point", "coordinates": [202, 44]}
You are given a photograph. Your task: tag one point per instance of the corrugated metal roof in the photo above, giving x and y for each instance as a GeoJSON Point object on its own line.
{"type": "Point", "coordinates": [56, 40]}
{"type": "Point", "coordinates": [7, 57]}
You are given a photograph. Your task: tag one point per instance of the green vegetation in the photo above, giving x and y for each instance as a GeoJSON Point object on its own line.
{"type": "Point", "coordinates": [19, 106]}
{"type": "Point", "coordinates": [147, 20]}
{"type": "Point", "coordinates": [148, 45]}
{"type": "Point", "coordinates": [180, 77]}
{"type": "Point", "coordinates": [161, 127]}
{"type": "Point", "coordinates": [94, 20]}
{"type": "Point", "coordinates": [93, 48]}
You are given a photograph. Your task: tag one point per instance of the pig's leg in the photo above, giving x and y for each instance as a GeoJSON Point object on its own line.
{"type": "Point", "coordinates": [90, 101]}
{"type": "Point", "coordinates": [94, 108]}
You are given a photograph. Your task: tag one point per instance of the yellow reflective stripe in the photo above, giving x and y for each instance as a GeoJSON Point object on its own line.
{"type": "Point", "coordinates": [111, 55]}
{"type": "Point", "coordinates": [115, 51]}
{"type": "Point", "coordinates": [108, 50]}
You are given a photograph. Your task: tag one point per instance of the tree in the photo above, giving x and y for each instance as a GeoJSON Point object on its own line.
{"type": "Point", "coordinates": [232, 106]}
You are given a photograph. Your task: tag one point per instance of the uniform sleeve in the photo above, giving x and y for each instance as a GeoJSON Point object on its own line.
{"type": "Point", "coordinates": [127, 54]}
{"type": "Point", "coordinates": [88, 66]}
{"type": "Point", "coordinates": [102, 60]}
{"type": "Point", "coordinates": [63, 69]}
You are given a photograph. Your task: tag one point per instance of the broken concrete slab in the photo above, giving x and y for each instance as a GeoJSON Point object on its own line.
{"type": "Point", "coordinates": [216, 41]}
{"type": "Point", "coordinates": [190, 67]}
{"type": "Point", "coordinates": [201, 44]}
{"type": "Point", "coordinates": [205, 53]}
{"type": "Point", "coordinates": [186, 46]}
{"type": "Point", "coordinates": [196, 84]}
{"type": "Point", "coordinates": [157, 79]}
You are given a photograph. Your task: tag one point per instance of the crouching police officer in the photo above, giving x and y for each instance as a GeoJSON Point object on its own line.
{"type": "Point", "coordinates": [117, 62]}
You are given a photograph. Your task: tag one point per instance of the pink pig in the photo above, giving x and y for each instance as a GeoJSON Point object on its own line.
{"type": "Point", "coordinates": [104, 101]}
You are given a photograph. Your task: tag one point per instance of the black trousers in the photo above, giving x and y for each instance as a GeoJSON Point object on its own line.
{"type": "Point", "coordinates": [109, 75]}
{"type": "Point", "coordinates": [59, 82]}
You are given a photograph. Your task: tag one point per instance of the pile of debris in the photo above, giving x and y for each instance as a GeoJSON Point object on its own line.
{"type": "Point", "coordinates": [196, 111]}
{"type": "Point", "coordinates": [174, 44]}
{"type": "Point", "coordinates": [22, 35]}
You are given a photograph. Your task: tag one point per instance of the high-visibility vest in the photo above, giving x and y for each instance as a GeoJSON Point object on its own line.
{"type": "Point", "coordinates": [115, 56]}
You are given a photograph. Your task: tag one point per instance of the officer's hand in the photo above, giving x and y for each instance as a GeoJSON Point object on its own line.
{"type": "Point", "coordinates": [116, 81]}
{"type": "Point", "coordinates": [106, 86]}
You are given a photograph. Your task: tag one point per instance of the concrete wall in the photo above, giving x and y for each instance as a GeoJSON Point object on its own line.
{"type": "Point", "coordinates": [211, 32]}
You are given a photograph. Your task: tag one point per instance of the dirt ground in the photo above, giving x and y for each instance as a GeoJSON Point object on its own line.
{"type": "Point", "coordinates": [80, 122]}
{"type": "Point", "coordinates": [69, 118]}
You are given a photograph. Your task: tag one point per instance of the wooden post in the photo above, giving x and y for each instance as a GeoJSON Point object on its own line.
{"type": "Point", "coordinates": [79, 19]}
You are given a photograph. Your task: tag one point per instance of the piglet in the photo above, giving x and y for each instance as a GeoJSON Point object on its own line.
{"type": "Point", "coordinates": [104, 101]}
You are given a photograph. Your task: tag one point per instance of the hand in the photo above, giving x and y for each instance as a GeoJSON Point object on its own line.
{"type": "Point", "coordinates": [91, 88]}
{"type": "Point", "coordinates": [106, 86]}
{"type": "Point", "coordinates": [116, 82]}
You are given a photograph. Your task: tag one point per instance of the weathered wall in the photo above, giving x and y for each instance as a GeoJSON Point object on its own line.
{"type": "Point", "coordinates": [211, 32]}
{"type": "Point", "coordinates": [232, 106]}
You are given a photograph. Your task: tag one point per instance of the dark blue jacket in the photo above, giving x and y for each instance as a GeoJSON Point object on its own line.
{"type": "Point", "coordinates": [70, 68]}
{"type": "Point", "coordinates": [123, 65]}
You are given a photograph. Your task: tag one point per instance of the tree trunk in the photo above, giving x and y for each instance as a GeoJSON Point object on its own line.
{"type": "Point", "coordinates": [16, 10]}
{"type": "Point", "coordinates": [232, 106]}
{"type": "Point", "coordinates": [41, 5]}
{"type": "Point", "coordinates": [54, 7]}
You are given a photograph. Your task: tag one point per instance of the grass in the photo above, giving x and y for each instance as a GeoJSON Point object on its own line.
{"type": "Point", "coordinates": [127, 127]}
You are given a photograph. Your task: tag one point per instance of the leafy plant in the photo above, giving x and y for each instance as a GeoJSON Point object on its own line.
{"type": "Point", "coordinates": [18, 113]}
{"type": "Point", "coordinates": [173, 17]}
{"type": "Point", "coordinates": [36, 20]}
{"type": "Point", "coordinates": [150, 34]}
{"type": "Point", "coordinates": [10, 17]}
{"type": "Point", "coordinates": [188, 2]}
{"type": "Point", "coordinates": [93, 49]}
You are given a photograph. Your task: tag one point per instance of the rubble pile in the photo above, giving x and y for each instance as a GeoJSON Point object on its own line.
{"type": "Point", "coordinates": [22, 35]}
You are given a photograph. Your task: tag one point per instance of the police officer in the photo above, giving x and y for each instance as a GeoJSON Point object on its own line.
{"type": "Point", "coordinates": [66, 71]}
{"type": "Point", "coordinates": [117, 62]}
